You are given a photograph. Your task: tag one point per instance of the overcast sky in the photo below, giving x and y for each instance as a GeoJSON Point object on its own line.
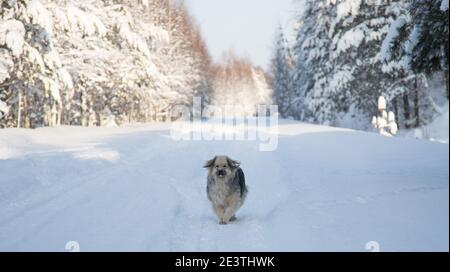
{"type": "Point", "coordinates": [247, 26]}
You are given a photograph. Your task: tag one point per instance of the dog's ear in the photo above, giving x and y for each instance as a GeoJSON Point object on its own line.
{"type": "Point", "coordinates": [232, 163]}
{"type": "Point", "coordinates": [210, 163]}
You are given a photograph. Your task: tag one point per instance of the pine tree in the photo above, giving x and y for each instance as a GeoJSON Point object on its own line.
{"type": "Point", "coordinates": [311, 52]}
{"type": "Point", "coordinates": [415, 48]}
{"type": "Point", "coordinates": [357, 78]}
{"type": "Point", "coordinates": [281, 75]}
{"type": "Point", "coordinates": [429, 52]}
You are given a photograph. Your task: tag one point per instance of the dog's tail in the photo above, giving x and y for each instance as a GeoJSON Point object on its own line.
{"type": "Point", "coordinates": [241, 179]}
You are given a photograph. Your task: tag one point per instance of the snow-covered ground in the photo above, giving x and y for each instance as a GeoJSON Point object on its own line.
{"type": "Point", "coordinates": [436, 131]}
{"type": "Point", "coordinates": [134, 188]}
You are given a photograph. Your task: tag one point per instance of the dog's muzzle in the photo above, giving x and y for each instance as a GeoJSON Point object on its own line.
{"type": "Point", "coordinates": [221, 173]}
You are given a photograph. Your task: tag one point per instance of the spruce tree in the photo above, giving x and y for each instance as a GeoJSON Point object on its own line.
{"type": "Point", "coordinates": [281, 74]}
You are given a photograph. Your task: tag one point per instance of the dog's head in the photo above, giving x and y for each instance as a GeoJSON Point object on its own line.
{"type": "Point", "coordinates": [222, 166]}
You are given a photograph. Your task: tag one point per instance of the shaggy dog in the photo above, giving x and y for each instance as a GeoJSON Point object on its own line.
{"type": "Point", "coordinates": [226, 187]}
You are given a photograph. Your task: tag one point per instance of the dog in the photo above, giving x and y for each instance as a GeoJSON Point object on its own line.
{"type": "Point", "coordinates": [226, 189]}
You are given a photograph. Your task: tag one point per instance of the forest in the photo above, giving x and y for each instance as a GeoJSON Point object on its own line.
{"type": "Point", "coordinates": [81, 62]}
{"type": "Point", "coordinates": [86, 63]}
{"type": "Point", "coordinates": [347, 53]}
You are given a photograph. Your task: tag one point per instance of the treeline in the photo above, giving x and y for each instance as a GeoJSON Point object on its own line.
{"type": "Point", "coordinates": [347, 53]}
{"type": "Point", "coordinates": [79, 62]}
{"type": "Point", "coordinates": [240, 84]}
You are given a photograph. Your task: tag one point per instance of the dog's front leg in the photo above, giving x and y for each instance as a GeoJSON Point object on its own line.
{"type": "Point", "coordinates": [231, 208]}
{"type": "Point", "coordinates": [229, 214]}
{"type": "Point", "coordinates": [219, 210]}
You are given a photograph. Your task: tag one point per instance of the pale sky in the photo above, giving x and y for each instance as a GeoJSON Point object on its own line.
{"type": "Point", "coordinates": [247, 26]}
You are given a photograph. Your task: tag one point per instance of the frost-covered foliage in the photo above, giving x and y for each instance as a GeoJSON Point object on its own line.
{"type": "Point", "coordinates": [353, 77]}
{"type": "Point", "coordinates": [426, 48]}
{"type": "Point", "coordinates": [3, 109]}
{"type": "Point", "coordinates": [81, 62]}
{"type": "Point", "coordinates": [281, 70]}
{"type": "Point", "coordinates": [385, 122]}
{"type": "Point", "coordinates": [12, 34]}
{"type": "Point", "coordinates": [29, 64]}
{"type": "Point", "coordinates": [188, 60]}
{"type": "Point", "coordinates": [349, 52]}
{"type": "Point", "coordinates": [311, 52]}
{"type": "Point", "coordinates": [420, 38]}
{"type": "Point", "coordinates": [415, 51]}
{"type": "Point", "coordinates": [392, 35]}
{"type": "Point", "coordinates": [238, 84]}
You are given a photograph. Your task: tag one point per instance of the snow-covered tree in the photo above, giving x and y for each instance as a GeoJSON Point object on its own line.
{"type": "Point", "coordinates": [419, 39]}
{"type": "Point", "coordinates": [357, 78]}
{"type": "Point", "coordinates": [429, 36]}
{"type": "Point", "coordinates": [384, 122]}
{"type": "Point", "coordinates": [77, 62]}
{"type": "Point", "coordinates": [281, 69]}
{"type": "Point", "coordinates": [31, 87]}
{"type": "Point", "coordinates": [349, 52]}
{"type": "Point", "coordinates": [311, 52]}
{"type": "Point", "coordinates": [338, 70]}
{"type": "Point", "coordinates": [238, 83]}
{"type": "Point", "coordinates": [187, 60]}
{"type": "Point", "coordinates": [415, 48]}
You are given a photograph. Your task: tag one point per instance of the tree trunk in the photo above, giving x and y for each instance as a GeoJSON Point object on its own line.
{"type": "Point", "coordinates": [416, 103]}
{"type": "Point", "coordinates": [19, 110]}
{"type": "Point", "coordinates": [446, 83]}
{"type": "Point", "coordinates": [84, 111]}
{"type": "Point", "coordinates": [26, 122]}
{"type": "Point", "coordinates": [395, 105]}
{"type": "Point", "coordinates": [406, 110]}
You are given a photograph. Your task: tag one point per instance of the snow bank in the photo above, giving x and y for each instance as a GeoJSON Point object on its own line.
{"type": "Point", "coordinates": [7, 153]}
{"type": "Point", "coordinates": [438, 130]}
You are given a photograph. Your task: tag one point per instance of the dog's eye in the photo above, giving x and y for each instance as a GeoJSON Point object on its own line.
{"type": "Point", "coordinates": [217, 166]}
{"type": "Point", "coordinates": [225, 166]}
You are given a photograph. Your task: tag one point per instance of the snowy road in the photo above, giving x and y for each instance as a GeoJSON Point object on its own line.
{"type": "Point", "coordinates": [134, 188]}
